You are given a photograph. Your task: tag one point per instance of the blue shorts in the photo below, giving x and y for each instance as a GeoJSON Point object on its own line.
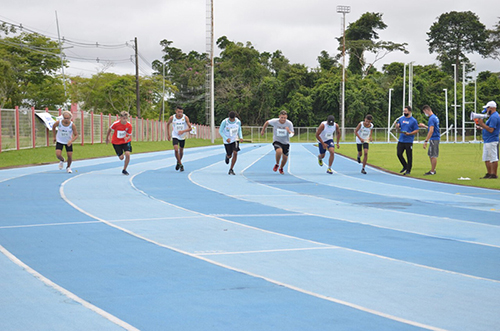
{"type": "Point", "coordinates": [329, 143]}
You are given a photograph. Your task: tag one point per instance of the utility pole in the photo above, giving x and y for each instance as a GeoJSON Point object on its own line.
{"type": "Point", "coordinates": [137, 94]}
{"type": "Point", "coordinates": [343, 10]}
{"type": "Point", "coordinates": [61, 56]}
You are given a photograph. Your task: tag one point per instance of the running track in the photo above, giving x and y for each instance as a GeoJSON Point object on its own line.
{"type": "Point", "coordinates": [201, 250]}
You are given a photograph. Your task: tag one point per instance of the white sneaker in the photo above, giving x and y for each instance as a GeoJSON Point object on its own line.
{"type": "Point", "coordinates": [61, 165]}
{"type": "Point", "coordinates": [68, 170]}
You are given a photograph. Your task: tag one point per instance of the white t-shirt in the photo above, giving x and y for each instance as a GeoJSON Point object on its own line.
{"type": "Point", "coordinates": [328, 132]}
{"type": "Point", "coordinates": [179, 124]}
{"type": "Point", "coordinates": [64, 133]}
{"type": "Point", "coordinates": [364, 132]}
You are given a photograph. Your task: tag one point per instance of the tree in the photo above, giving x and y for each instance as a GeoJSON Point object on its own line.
{"type": "Point", "coordinates": [28, 66]}
{"type": "Point", "coordinates": [454, 35]}
{"type": "Point", "coordinates": [495, 41]}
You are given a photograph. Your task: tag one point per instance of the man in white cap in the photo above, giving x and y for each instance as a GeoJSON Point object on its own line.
{"type": "Point", "coordinates": [491, 131]}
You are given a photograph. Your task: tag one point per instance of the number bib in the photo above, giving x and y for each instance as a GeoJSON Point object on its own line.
{"type": "Point", "coordinates": [281, 132]}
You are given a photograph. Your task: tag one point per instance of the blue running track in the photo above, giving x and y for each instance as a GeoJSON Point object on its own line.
{"type": "Point", "coordinates": [203, 250]}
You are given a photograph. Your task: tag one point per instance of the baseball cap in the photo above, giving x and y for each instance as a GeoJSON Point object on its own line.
{"type": "Point", "coordinates": [491, 104]}
{"type": "Point", "coordinates": [330, 119]}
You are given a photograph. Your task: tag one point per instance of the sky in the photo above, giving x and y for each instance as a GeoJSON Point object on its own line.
{"type": "Point", "coordinates": [300, 29]}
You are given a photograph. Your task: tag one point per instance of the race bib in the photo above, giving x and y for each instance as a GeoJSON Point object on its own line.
{"type": "Point", "coordinates": [64, 134]}
{"type": "Point", "coordinates": [179, 127]}
{"type": "Point", "coordinates": [329, 136]}
{"type": "Point", "coordinates": [281, 132]}
{"type": "Point", "coordinates": [121, 134]}
{"type": "Point", "coordinates": [233, 132]}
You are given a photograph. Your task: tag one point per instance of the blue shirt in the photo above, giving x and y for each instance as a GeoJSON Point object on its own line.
{"type": "Point", "coordinates": [407, 124]}
{"type": "Point", "coordinates": [230, 129]}
{"type": "Point", "coordinates": [492, 122]}
{"type": "Point", "coordinates": [434, 121]}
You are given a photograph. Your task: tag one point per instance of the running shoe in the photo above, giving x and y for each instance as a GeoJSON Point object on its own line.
{"type": "Point", "coordinates": [276, 166]}
{"type": "Point", "coordinates": [181, 167]}
{"type": "Point", "coordinates": [231, 172]}
{"type": "Point", "coordinates": [407, 173]}
{"type": "Point", "coordinates": [177, 166]}
{"type": "Point", "coordinates": [486, 176]}
{"type": "Point", "coordinates": [493, 176]}
{"type": "Point", "coordinates": [430, 173]}
{"type": "Point", "coordinates": [329, 171]}
{"type": "Point", "coordinates": [61, 165]}
{"type": "Point", "coordinates": [402, 170]}
{"type": "Point", "coordinates": [320, 161]}
{"type": "Point", "coordinates": [125, 172]}
{"type": "Point", "coordinates": [363, 171]}
{"type": "Point", "coordinates": [68, 170]}
{"type": "Point", "coordinates": [359, 159]}
{"type": "Point", "coordinates": [227, 159]}
{"type": "Point", "coordinates": [281, 171]}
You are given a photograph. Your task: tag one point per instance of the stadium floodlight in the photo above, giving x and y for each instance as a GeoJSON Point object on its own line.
{"type": "Point", "coordinates": [343, 10]}
{"type": "Point", "coordinates": [446, 111]}
{"type": "Point", "coordinates": [389, 118]}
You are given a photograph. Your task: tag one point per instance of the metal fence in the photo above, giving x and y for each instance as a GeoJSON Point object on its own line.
{"type": "Point", "coordinates": [21, 129]}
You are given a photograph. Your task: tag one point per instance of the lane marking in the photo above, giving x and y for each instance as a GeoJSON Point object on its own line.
{"type": "Point", "coordinates": [67, 293]}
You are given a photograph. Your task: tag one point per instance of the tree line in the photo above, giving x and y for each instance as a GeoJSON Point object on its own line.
{"type": "Point", "coordinates": [257, 85]}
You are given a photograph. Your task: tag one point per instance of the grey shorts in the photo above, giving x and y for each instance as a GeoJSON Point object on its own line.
{"type": "Point", "coordinates": [433, 150]}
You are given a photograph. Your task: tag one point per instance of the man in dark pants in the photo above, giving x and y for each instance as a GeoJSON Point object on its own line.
{"type": "Point", "coordinates": [408, 127]}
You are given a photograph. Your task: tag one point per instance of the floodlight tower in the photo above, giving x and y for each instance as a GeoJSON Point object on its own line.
{"type": "Point", "coordinates": [343, 10]}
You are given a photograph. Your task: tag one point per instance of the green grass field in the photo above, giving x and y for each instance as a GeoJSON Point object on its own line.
{"type": "Point", "coordinates": [455, 160]}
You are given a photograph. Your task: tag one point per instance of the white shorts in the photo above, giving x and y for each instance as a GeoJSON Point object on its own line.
{"type": "Point", "coordinates": [490, 152]}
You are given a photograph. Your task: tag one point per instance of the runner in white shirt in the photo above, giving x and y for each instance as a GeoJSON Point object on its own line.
{"type": "Point", "coordinates": [282, 132]}
{"type": "Point", "coordinates": [363, 136]}
{"type": "Point", "coordinates": [230, 131]}
{"type": "Point", "coordinates": [324, 135]}
{"type": "Point", "coordinates": [180, 127]}
{"type": "Point", "coordinates": [65, 134]}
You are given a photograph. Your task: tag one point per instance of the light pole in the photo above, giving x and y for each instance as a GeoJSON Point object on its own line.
{"type": "Point", "coordinates": [455, 98]}
{"type": "Point", "coordinates": [163, 105]}
{"type": "Point", "coordinates": [463, 104]}
{"type": "Point", "coordinates": [343, 10]}
{"type": "Point", "coordinates": [389, 118]}
{"type": "Point", "coordinates": [446, 110]}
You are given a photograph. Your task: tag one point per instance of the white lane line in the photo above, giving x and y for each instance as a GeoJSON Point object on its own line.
{"type": "Point", "coordinates": [67, 293]}
{"type": "Point", "coordinates": [266, 251]}
{"type": "Point", "coordinates": [270, 280]}
{"type": "Point", "coordinates": [382, 189]}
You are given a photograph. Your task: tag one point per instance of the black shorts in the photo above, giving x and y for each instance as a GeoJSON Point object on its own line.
{"type": "Point", "coordinates": [284, 147]}
{"type": "Point", "coordinates": [362, 146]}
{"type": "Point", "coordinates": [60, 146]}
{"type": "Point", "coordinates": [119, 149]}
{"type": "Point", "coordinates": [232, 147]}
{"type": "Point", "coordinates": [179, 142]}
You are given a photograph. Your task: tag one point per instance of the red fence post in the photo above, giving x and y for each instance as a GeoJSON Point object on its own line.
{"type": "Point", "coordinates": [0, 130]}
{"type": "Point", "coordinates": [83, 127]}
{"type": "Point", "coordinates": [17, 128]}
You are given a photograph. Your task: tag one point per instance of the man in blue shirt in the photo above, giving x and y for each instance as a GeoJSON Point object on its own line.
{"type": "Point", "coordinates": [432, 138]}
{"type": "Point", "coordinates": [408, 127]}
{"type": "Point", "coordinates": [491, 131]}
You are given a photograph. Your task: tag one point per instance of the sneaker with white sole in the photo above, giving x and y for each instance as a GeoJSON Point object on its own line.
{"type": "Point", "coordinates": [61, 165]}
{"type": "Point", "coordinates": [68, 170]}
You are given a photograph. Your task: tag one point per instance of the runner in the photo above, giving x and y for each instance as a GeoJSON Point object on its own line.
{"type": "Point", "coordinates": [65, 134]}
{"type": "Point", "coordinates": [122, 139]}
{"type": "Point", "coordinates": [230, 131]}
{"type": "Point", "coordinates": [324, 135]}
{"type": "Point", "coordinates": [180, 127]}
{"type": "Point", "coordinates": [363, 137]}
{"type": "Point", "coordinates": [282, 132]}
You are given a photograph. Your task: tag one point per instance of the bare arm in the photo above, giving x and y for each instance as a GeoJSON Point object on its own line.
{"type": "Point", "coordinates": [264, 127]}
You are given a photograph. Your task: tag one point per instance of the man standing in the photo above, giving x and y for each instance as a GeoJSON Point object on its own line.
{"type": "Point", "coordinates": [324, 135]}
{"type": "Point", "coordinates": [180, 127]}
{"type": "Point", "coordinates": [491, 131]}
{"type": "Point", "coordinates": [230, 131]}
{"type": "Point", "coordinates": [363, 137]}
{"type": "Point", "coordinates": [408, 127]}
{"type": "Point", "coordinates": [65, 134]}
{"type": "Point", "coordinates": [432, 138]}
{"type": "Point", "coordinates": [122, 139]}
{"type": "Point", "coordinates": [282, 132]}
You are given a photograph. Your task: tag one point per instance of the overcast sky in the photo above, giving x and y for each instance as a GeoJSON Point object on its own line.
{"type": "Point", "coordinates": [301, 29]}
